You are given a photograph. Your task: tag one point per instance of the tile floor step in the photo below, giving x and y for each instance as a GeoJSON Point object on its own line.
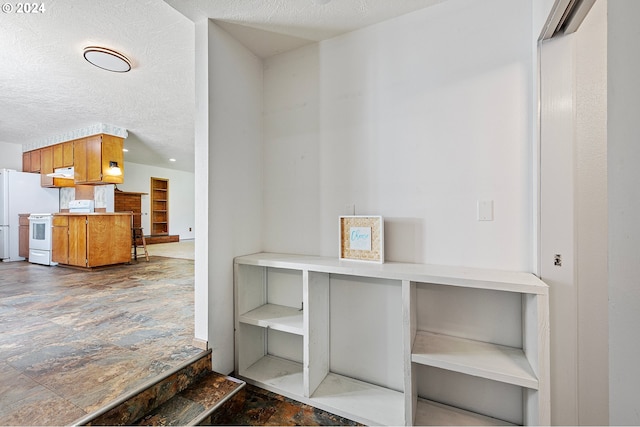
{"type": "Point", "coordinates": [135, 405]}
{"type": "Point", "coordinates": [161, 238]}
{"type": "Point", "coordinates": [194, 404]}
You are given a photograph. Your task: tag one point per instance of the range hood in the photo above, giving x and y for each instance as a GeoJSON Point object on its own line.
{"type": "Point", "coordinates": [62, 173]}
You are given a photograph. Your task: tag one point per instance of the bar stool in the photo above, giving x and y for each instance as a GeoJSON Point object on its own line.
{"type": "Point", "coordinates": [137, 233]}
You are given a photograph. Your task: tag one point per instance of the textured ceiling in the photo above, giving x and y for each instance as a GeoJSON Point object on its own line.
{"type": "Point", "coordinates": [269, 27]}
{"type": "Point", "coordinates": [48, 89]}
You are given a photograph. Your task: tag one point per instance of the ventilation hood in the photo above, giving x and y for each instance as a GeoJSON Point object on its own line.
{"type": "Point", "coordinates": [62, 173]}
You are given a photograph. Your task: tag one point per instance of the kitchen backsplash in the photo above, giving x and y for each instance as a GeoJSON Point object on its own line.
{"type": "Point", "coordinates": [67, 194]}
{"type": "Point", "coordinates": [103, 196]}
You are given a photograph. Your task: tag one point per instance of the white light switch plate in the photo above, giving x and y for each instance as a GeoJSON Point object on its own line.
{"type": "Point", "coordinates": [485, 210]}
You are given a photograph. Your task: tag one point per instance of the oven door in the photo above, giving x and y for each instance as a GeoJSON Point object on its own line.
{"type": "Point", "coordinates": [40, 233]}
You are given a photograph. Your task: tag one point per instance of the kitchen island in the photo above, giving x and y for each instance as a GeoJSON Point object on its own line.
{"type": "Point", "coordinates": [91, 239]}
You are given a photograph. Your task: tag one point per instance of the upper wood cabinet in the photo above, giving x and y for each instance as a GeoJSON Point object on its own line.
{"type": "Point", "coordinates": [93, 156]}
{"type": "Point", "coordinates": [47, 166]}
{"type": "Point", "coordinates": [63, 155]}
{"type": "Point", "coordinates": [26, 161]}
{"type": "Point", "coordinates": [31, 161]}
{"type": "Point", "coordinates": [35, 161]}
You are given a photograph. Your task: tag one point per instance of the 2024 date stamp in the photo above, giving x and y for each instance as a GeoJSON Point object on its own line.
{"type": "Point", "coordinates": [24, 8]}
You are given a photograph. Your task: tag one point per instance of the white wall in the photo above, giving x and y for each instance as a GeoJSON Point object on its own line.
{"type": "Point", "coordinates": [181, 196]}
{"type": "Point", "coordinates": [398, 122]}
{"type": "Point", "coordinates": [10, 156]}
{"type": "Point", "coordinates": [540, 13]}
{"type": "Point", "coordinates": [623, 158]}
{"type": "Point", "coordinates": [229, 135]}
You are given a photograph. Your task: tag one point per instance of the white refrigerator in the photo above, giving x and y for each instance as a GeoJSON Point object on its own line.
{"type": "Point", "coordinates": [21, 193]}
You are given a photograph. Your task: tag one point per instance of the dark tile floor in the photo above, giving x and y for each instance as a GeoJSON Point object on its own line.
{"type": "Point", "coordinates": [254, 406]}
{"type": "Point", "coordinates": [73, 340]}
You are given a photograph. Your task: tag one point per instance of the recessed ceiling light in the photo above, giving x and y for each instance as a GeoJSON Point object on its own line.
{"type": "Point", "coordinates": [125, 150]}
{"type": "Point", "coordinates": [172, 160]}
{"type": "Point", "coordinates": [107, 59]}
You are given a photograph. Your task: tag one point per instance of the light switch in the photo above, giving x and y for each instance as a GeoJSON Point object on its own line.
{"type": "Point", "coordinates": [485, 210]}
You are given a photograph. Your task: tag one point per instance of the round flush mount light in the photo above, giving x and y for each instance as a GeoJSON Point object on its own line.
{"type": "Point", "coordinates": [107, 59]}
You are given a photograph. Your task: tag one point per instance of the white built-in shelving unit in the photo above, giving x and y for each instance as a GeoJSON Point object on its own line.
{"type": "Point", "coordinates": [367, 341]}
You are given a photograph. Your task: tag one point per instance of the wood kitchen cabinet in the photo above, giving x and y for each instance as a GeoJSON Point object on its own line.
{"type": "Point", "coordinates": [63, 155]}
{"type": "Point", "coordinates": [26, 161]}
{"type": "Point", "coordinates": [93, 156]}
{"type": "Point", "coordinates": [23, 235]}
{"type": "Point", "coordinates": [91, 240]}
{"type": "Point", "coordinates": [31, 161]}
{"type": "Point", "coordinates": [47, 166]}
{"type": "Point", "coordinates": [60, 239]}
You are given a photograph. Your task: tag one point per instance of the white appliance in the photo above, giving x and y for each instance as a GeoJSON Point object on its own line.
{"type": "Point", "coordinates": [81, 206]}
{"type": "Point", "coordinates": [40, 238]}
{"type": "Point", "coordinates": [62, 173]}
{"type": "Point", "coordinates": [21, 193]}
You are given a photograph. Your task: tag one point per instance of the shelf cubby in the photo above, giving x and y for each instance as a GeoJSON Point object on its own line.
{"type": "Point", "coordinates": [159, 206]}
{"type": "Point", "coordinates": [481, 359]}
{"type": "Point", "coordinates": [502, 347]}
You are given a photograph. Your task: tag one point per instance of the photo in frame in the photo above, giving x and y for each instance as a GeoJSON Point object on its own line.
{"type": "Point", "coordinates": [361, 238]}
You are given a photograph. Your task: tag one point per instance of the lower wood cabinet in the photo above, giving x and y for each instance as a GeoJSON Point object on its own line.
{"type": "Point", "coordinates": [395, 344]}
{"type": "Point", "coordinates": [60, 239]}
{"type": "Point", "coordinates": [23, 235]}
{"type": "Point", "coordinates": [91, 240]}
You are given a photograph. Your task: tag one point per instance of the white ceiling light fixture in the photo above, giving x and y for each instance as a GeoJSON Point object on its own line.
{"type": "Point", "coordinates": [107, 59]}
{"type": "Point", "coordinates": [172, 160]}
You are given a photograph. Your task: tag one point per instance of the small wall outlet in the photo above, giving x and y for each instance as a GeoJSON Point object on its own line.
{"type": "Point", "coordinates": [485, 210]}
{"type": "Point", "coordinates": [189, 228]}
{"type": "Point", "coordinates": [557, 260]}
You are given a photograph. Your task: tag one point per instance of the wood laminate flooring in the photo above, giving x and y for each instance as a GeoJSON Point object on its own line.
{"type": "Point", "coordinates": [73, 340]}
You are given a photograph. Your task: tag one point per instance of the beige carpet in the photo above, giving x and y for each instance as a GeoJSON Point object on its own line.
{"type": "Point", "coordinates": [184, 249]}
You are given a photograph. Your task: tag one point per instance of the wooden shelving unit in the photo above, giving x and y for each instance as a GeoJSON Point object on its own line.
{"type": "Point", "coordinates": [159, 206]}
{"type": "Point", "coordinates": [284, 304]}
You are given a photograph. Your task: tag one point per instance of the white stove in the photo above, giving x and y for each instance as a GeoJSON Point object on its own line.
{"type": "Point", "coordinates": [40, 238]}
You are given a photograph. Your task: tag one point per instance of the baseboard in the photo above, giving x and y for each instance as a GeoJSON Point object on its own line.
{"type": "Point", "coordinates": [201, 344]}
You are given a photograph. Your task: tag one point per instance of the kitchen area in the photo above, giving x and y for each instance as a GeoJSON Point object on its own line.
{"type": "Point", "coordinates": [60, 209]}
